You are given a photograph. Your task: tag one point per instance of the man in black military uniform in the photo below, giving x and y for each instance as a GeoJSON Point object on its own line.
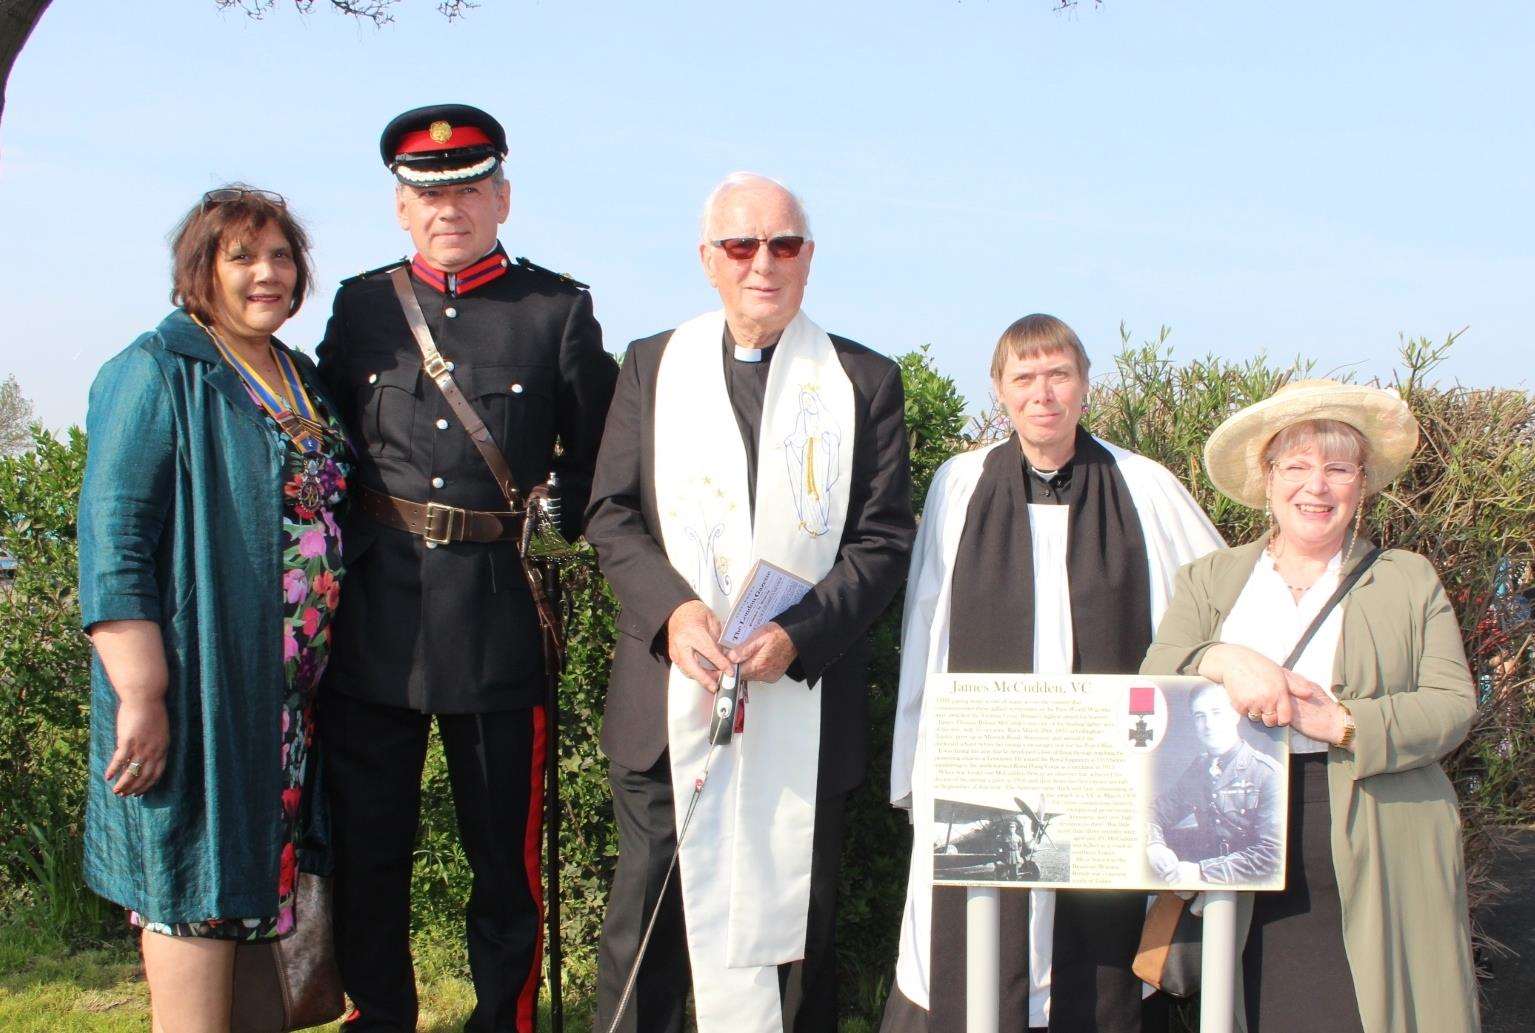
{"type": "Point", "coordinates": [1220, 821]}
{"type": "Point", "coordinates": [436, 617]}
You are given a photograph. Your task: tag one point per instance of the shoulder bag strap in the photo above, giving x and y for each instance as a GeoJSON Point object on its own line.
{"type": "Point", "coordinates": [437, 369]}
{"type": "Point", "coordinates": [1333, 600]}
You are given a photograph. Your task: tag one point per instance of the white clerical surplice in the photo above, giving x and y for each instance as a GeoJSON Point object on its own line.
{"type": "Point", "coordinates": [1176, 531]}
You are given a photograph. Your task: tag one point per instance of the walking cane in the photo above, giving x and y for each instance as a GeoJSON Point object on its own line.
{"type": "Point", "coordinates": [721, 728]}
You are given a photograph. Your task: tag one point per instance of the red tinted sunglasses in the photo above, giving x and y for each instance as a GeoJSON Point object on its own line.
{"type": "Point", "coordinates": [744, 248]}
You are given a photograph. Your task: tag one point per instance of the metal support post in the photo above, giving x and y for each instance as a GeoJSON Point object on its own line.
{"type": "Point", "coordinates": [983, 959]}
{"type": "Point", "coordinates": [1218, 964]}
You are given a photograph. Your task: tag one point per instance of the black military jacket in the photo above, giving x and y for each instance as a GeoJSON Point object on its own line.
{"type": "Point", "coordinates": [452, 629]}
{"type": "Point", "coordinates": [1224, 815]}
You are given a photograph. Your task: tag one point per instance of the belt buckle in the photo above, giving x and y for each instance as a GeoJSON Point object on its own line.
{"type": "Point", "coordinates": [439, 529]}
{"type": "Point", "coordinates": [435, 365]}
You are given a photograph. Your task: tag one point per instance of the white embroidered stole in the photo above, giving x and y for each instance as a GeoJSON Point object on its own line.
{"type": "Point", "coordinates": [745, 864]}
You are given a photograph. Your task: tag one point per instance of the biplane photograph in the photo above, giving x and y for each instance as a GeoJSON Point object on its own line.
{"type": "Point", "coordinates": [1005, 841]}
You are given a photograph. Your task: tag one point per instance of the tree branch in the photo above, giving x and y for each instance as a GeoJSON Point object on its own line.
{"type": "Point", "coordinates": [17, 20]}
{"type": "Point", "coordinates": [375, 11]}
{"type": "Point", "coordinates": [379, 12]}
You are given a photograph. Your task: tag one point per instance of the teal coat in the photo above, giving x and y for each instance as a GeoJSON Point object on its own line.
{"type": "Point", "coordinates": [181, 524]}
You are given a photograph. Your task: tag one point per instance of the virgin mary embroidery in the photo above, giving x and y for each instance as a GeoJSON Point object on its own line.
{"type": "Point", "coordinates": [811, 452]}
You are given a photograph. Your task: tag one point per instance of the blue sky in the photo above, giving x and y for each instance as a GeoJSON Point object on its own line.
{"type": "Point", "coordinates": [1300, 178]}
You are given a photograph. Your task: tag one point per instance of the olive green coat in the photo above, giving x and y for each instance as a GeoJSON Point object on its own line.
{"type": "Point", "coordinates": [1396, 843]}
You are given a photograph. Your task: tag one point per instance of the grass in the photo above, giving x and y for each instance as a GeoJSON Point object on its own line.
{"type": "Point", "coordinates": [46, 984]}
{"type": "Point", "coordinates": [49, 985]}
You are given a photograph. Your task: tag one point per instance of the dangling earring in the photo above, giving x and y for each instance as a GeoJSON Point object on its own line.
{"type": "Point", "coordinates": [1358, 528]}
{"type": "Point", "coordinates": [1271, 526]}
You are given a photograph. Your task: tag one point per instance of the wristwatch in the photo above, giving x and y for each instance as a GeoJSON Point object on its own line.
{"type": "Point", "coordinates": [1347, 742]}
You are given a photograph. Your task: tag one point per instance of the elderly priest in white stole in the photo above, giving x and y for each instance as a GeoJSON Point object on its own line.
{"type": "Point", "coordinates": [1051, 552]}
{"type": "Point", "coordinates": [745, 434]}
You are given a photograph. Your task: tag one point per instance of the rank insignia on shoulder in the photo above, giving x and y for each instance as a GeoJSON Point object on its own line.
{"type": "Point", "coordinates": [374, 272]}
{"type": "Point", "coordinates": [533, 267]}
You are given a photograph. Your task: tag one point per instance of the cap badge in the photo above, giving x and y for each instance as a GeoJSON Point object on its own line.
{"type": "Point", "coordinates": [439, 131]}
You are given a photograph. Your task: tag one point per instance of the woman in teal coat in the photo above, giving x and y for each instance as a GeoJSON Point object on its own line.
{"type": "Point", "coordinates": [210, 566]}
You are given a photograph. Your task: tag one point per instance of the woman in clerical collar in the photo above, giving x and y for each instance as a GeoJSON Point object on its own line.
{"type": "Point", "coordinates": [1009, 577]}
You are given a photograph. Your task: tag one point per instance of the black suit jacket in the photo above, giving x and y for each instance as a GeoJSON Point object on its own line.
{"type": "Point", "coordinates": [452, 629]}
{"type": "Point", "coordinates": [828, 627]}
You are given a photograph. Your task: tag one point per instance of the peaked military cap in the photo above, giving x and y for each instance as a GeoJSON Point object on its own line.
{"type": "Point", "coordinates": [442, 144]}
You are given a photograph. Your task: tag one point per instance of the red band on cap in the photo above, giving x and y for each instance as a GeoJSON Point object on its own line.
{"type": "Point", "coordinates": [421, 140]}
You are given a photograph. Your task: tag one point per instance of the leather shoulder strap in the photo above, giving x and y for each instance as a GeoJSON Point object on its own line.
{"type": "Point", "coordinates": [437, 369]}
{"type": "Point", "coordinates": [1333, 600]}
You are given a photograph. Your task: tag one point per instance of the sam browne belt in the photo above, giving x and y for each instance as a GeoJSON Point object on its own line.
{"type": "Point", "coordinates": [437, 523]}
{"type": "Point", "coordinates": [539, 569]}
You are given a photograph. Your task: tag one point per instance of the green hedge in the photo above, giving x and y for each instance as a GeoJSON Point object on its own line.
{"type": "Point", "coordinates": [1468, 502]}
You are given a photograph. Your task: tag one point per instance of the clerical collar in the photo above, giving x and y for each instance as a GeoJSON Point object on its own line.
{"type": "Point", "coordinates": [1059, 478]}
{"type": "Point", "coordinates": [491, 267]}
{"type": "Point", "coordinates": [743, 354]}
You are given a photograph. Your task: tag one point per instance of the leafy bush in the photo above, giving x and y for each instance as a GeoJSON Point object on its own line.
{"type": "Point", "coordinates": [1467, 502]}
{"type": "Point", "coordinates": [44, 685]}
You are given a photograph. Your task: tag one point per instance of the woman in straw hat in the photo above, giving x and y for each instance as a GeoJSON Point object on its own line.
{"type": "Point", "coordinates": [1371, 932]}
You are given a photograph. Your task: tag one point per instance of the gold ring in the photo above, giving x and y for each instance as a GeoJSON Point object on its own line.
{"type": "Point", "coordinates": [134, 767]}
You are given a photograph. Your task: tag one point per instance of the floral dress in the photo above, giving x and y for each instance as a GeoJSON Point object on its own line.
{"type": "Point", "coordinates": [311, 587]}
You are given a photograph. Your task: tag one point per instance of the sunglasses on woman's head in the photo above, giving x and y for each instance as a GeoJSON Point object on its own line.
{"type": "Point", "coordinates": [744, 248]}
{"type": "Point", "coordinates": [224, 195]}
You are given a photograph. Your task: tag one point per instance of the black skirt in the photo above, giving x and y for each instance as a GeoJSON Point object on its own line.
{"type": "Point", "coordinates": [1295, 972]}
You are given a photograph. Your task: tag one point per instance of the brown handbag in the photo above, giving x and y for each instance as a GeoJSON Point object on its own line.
{"type": "Point", "coordinates": [1169, 954]}
{"type": "Point", "coordinates": [291, 983]}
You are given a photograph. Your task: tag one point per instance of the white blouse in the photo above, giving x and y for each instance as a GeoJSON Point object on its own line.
{"type": "Point", "coordinates": [1269, 620]}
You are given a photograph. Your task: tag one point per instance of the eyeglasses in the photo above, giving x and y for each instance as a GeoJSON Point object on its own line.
{"type": "Point", "coordinates": [744, 248]}
{"type": "Point", "coordinates": [224, 195]}
{"type": "Point", "coordinates": [1338, 474]}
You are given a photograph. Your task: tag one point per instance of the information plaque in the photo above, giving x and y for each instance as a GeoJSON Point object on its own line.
{"type": "Point", "coordinates": [1102, 782]}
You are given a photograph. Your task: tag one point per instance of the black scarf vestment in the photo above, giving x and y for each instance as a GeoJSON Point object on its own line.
{"type": "Point", "coordinates": [991, 630]}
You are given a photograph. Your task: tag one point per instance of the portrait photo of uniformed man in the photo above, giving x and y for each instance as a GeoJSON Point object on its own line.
{"type": "Point", "coordinates": [1221, 821]}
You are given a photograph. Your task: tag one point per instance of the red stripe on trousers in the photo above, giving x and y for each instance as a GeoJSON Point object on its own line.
{"type": "Point", "coordinates": [527, 1000]}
